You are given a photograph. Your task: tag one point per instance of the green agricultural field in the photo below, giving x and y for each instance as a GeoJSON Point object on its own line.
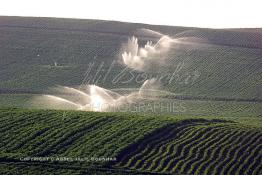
{"type": "Point", "coordinates": [214, 129]}
{"type": "Point", "coordinates": [137, 144]}
{"type": "Point", "coordinates": [227, 66]}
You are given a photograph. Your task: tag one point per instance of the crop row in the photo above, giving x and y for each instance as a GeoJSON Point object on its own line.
{"type": "Point", "coordinates": [71, 134]}
{"type": "Point", "coordinates": [217, 148]}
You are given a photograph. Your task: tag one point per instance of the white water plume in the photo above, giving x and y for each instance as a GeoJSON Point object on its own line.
{"type": "Point", "coordinates": [142, 58]}
{"type": "Point", "coordinates": [95, 98]}
{"type": "Point", "coordinates": [137, 57]}
{"type": "Point", "coordinates": [148, 33]}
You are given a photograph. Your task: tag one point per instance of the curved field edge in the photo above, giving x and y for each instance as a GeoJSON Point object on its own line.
{"type": "Point", "coordinates": [49, 133]}
{"type": "Point", "coordinates": [197, 146]}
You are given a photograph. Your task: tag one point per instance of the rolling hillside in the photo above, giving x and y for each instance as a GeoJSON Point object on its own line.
{"type": "Point", "coordinates": [226, 67]}
{"type": "Point", "coordinates": [136, 144]}
{"type": "Point", "coordinates": [214, 127]}
{"type": "Point", "coordinates": [198, 149]}
{"type": "Point", "coordinates": [30, 46]}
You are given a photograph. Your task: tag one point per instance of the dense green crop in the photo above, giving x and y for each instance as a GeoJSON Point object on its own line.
{"type": "Point", "coordinates": [92, 137]}
{"type": "Point", "coordinates": [198, 148]}
{"type": "Point", "coordinates": [228, 66]}
{"type": "Point", "coordinates": [218, 87]}
{"type": "Point", "coordinates": [137, 144]}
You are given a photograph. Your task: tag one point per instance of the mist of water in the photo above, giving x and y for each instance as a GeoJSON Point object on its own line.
{"type": "Point", "coordinates": [148, 33]}
{"type": "Point", "coordinates": [95, 98]}
{"type": "Point", "coordinates": [140, 58]}
{"type": "Point", "coordinates": [137, 57]}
